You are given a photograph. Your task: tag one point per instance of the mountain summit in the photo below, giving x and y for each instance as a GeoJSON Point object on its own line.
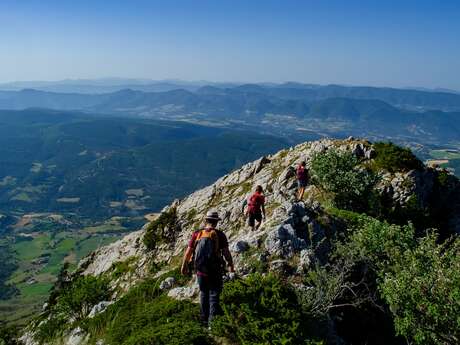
{"type": "Point", "coordinates": [369, 205]}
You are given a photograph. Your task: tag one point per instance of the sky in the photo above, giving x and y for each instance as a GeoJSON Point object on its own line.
{"type": "Point", "coordinates": [383, 43]}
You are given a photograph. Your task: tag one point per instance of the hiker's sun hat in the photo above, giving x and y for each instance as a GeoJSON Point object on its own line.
{"type": "Point", "coordinates": [212, 215]}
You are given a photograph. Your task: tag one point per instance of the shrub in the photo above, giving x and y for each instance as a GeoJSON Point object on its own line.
{"type": "Point", "coordinates": [162, 229]}
{"type": "Point", "coordinates": [352, 219]}
{"type": "Point", "coordinates": [72, 302]}
{"type": "Point", "coordinates": [423, 292]}
{"type": "Point", "coordinates": [120, 268]}
{"type": "Point", "coordinates": [49, 329]}
{"type": "Point", "coordinates": [394, 158]}
{"type": "Point", "coordinates": [376, 243]}
{"type": "Point", "coordinates": [8, 335]}
{"type": "Point", "coordinates": [162, 321]}
{"type": "Point", "coordinates": [146, 316]}
{"type": "Point", "coordinates": [262, 310]}
{"type": "Point", "coordinates": [62, 281]}
{"type": "Point", "coordinates": [340, 174]}
{"type": "Point", "coordinates": [418, 279]}
{"type": "Point", "coordinates": [443, 178]}
{"type": "Point", "coordinates": [84, 292]}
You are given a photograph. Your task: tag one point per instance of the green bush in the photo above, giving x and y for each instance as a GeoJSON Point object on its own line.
{"type": "Point", "coordinates": [8, 335]}
{"type": "Point", "coordinates": [423, 292]}
{"type": "Point", "coordinates": [352, 219]}
{"type": "Point", "coordinates": [72, 301]}
{"type": "Point", "coordinates": [376, 243]}
{"type": "Point", "coordinates": [62, 281]}
{"type": "Point", "coordinates": [345, 290]}
{"type": "Point", "coordinates": [416, 278]}
{"type": "Point", "coordinates": [262, 310]}
{"type": "Point", "coordinates": [50, 329]}
{"type": "Point", "coordinates": [162, 321]}
{"type": "Point", "coordinates": [443, 178]}
{"type": "Point", "coordinates": [120, 268]}
{"type": "Point", "coordinates": [85, 292]}
{"type": "Point", "coordinates": [146, 316]}
{"type": "Point", "coordinates": [394, 158]}
{"type": "Point", "coordinates": [162, 229]}
{"type": "Point", "coordinates": [339, 173]}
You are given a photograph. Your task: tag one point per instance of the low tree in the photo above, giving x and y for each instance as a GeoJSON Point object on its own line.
{"type": "Point", "coordinates": [423, 292]}
{"type": "Point", "coordinates": [393, 158]}
{"type": "Point", "coordinates": [85, 292]}
{"type": "Point", "coordinates": [341, 174]}
{"type": "Point", "coordinates": [263, 310]}
{"type": "Point", "coordinates": [8, 335]}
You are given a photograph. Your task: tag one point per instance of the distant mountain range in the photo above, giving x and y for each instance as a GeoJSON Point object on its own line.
{"type": "Point", "coordinates": [107, 85]}
{"type": "Point", "coordinates": [282, 109]}
{"type": "Point", "coordinates": [62, 94]}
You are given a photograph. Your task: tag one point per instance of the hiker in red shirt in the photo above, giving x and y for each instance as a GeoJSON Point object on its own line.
{"type": "Point", "coordinates": [302, 179]}
{"type": "Point", "coordinates": [207, 248]}
{"type": "Point", "coordinates": [256, 208]}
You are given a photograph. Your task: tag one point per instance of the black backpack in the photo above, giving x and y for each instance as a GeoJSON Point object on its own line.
{"type": "Point", "coordinates": [207, 259]}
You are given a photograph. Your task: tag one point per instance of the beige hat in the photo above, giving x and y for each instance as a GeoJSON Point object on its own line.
{"type": "Point", "coordinates": [212, 215]}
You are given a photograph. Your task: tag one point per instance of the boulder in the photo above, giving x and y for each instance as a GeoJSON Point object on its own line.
{"type": "Point", "coordinates": [168, 283]}
{"type": "Point", "coordinates": [184, 292]}
{"type": "Point", "coordinates": [307, 259]}
{"type": "Point", "coordinates": [358, 150]}
{"type": "Point", "coordinates": [28, 339]}
{"type": "Point", "coordinates": [99, 308]}
{"type": "Point", "coordinates": [283, 241]}
{"type": "Point", "coordinates": [239, 247]}
{"type": "Point", "coordinates": [76, 337]}
{"type": "Point", "coordinates": [286, 175]}
{"type": "Point", "coordinates": [260, 164]}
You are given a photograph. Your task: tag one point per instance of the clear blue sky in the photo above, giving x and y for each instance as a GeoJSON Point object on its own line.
{"type": "Point", "coordinates": [392, 43]}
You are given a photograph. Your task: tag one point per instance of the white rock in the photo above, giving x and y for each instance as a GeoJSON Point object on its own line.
{"type": "Point", "coordinates": [184, 292]}
{"type": "Point", "coordinates": [76, 337]}
{"type": "Point", "coordinates": [99, 308]}
{"type": "Point", "coordinates": [168, 283]}
{"type": "Point", "coordinates": [306, 259]}
{"type": "Point", "coordinates": [28, 339]}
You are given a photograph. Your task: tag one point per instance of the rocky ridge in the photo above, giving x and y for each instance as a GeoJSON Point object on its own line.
{"type": "Point", "coordinates": [293, 237]}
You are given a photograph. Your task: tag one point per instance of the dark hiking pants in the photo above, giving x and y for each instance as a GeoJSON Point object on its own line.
{"type": "Point", "coordinates": [210, 288]}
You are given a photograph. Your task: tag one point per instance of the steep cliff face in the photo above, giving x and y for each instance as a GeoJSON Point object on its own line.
{"type": "Point", "coordinates": [294, 237]}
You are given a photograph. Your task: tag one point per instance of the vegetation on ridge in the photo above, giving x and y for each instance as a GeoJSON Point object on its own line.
{"type": "Point", "coordinates": [339, 173]}
{"type": "Point", "coordinates": [264, 310]}
{"type": "Point", "coordinates": [162, 229]}
{"type": "Point", "coordinates": [392, 158]}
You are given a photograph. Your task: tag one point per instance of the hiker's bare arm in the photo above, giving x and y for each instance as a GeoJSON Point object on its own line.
{"type": "Point", "coordinates": [228, 259]}
{"type": "Point", "coordinates": [263, 210]}
{"type": "Point", "coordinates": [186, 259]}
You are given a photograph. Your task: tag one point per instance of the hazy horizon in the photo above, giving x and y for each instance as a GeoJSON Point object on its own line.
{"type": "Point", "coordinates": [120, 81]}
